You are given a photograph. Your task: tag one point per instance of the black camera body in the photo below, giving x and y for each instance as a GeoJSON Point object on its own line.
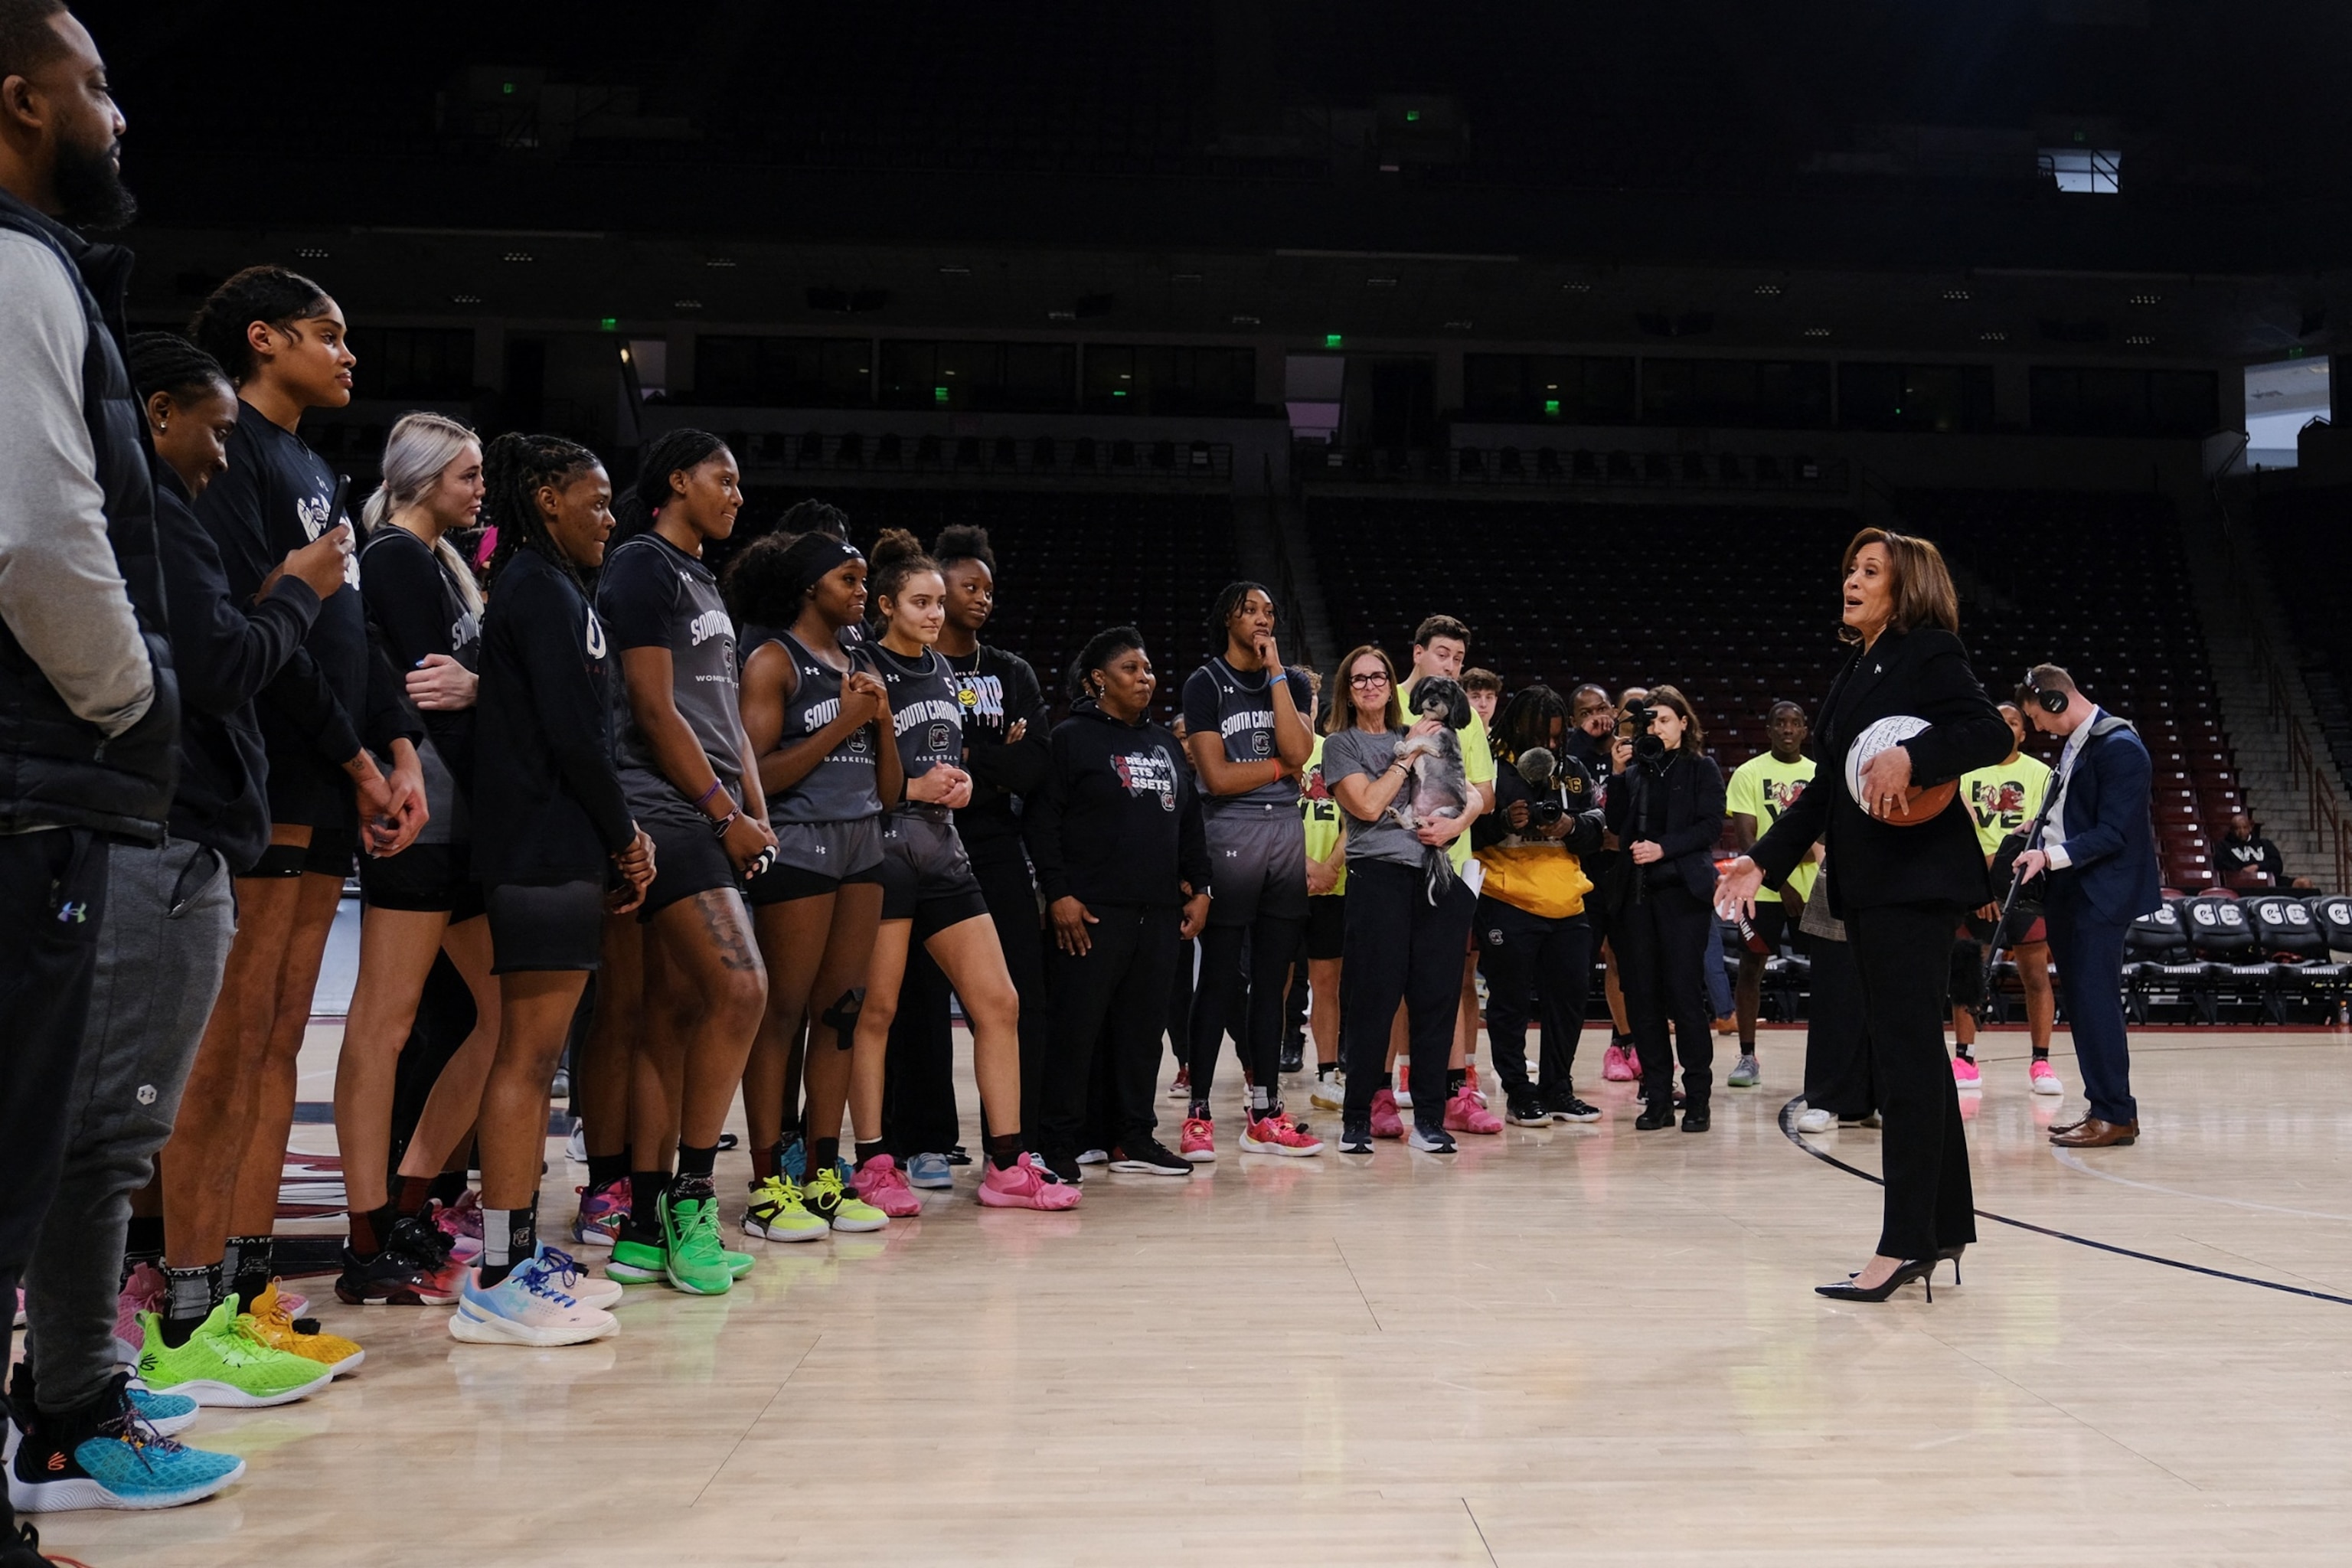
{"type": "Point", "coordinates": [1543, 813]}
{"type": "Point", "coordinates": [1639, 715]}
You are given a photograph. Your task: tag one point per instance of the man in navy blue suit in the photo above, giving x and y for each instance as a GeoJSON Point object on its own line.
{"type": "Point", "coordinates": [2099, 848]}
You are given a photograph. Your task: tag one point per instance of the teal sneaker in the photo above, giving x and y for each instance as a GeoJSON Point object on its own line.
{"type": "Point", "coordinates": [637, 1262]}
{"type": "Point", "coordinates": [224, 1364]}
{"type": "Point", "coordinates": [107, 1456]}
{"type": "Point", "coordinates": [698, 1264]}
{"type": "Point", "coordinates": [169, 1413]}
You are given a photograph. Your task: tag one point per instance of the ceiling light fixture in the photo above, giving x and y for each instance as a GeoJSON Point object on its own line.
{"type": "Point", "coordinates": [719, 261]}
{"type": "Point", "coordinates": [311, 252]}
{"type": "Point", "coordinates": [1956, 294]}
{"type": "Point", "coordinates": [516, 256]}
{"type": "Point", "coordinates": [685, 304]}
{"type": "Point", "coordinates": [1817, 332]}
{"type": "Point", "coordinates": [1768, 290]}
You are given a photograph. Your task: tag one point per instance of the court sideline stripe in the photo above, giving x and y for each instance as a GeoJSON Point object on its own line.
{"type": "Point", "coordinates": [1788, 1131]}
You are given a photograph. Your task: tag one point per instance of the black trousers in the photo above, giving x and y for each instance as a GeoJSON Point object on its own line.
{"type": "Point", "coordinates": [1837, 1037]}
{"type": "Point", "coordinates": [1401, 948]}
{"type": "Point", "coordinates": [1179, 1002]}
{"type": "Point", "coordinates": [1109, 1005]}
{"type": "Point", "coordinates": [1227, 995]}
{"type": "Point", "coordinates": [1536, 969]}
{"type": "Point", "coordinates": [918, 1104]}
{"type": "Point", "coordinates": [1903, 953]}
{"type": "Point", "coordinates": [52, 901]}
{"type": "Point", "coordinates": [2090, 953]}
{"type": "Point", "coordinates": [1663, 942]}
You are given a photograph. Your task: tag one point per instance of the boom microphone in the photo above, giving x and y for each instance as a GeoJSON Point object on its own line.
{"type": "Point", "coordinates": [1536, 764]}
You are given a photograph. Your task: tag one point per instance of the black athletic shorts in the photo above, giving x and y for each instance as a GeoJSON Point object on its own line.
{"type": "Point", "coordinates": [330, 853]}
{"type": "Point", "coordinates": [431, 877]}
{"type": "Point", "coordinates": [1326, 925]}
{"type": "Point", "coordinates": [1772, 922]}
{"type": "Point", "coordinates": [810, 858]}
{"type": "Point", "coordinates": [926, 876]}
{"type": "Point", "coordinates": [1258, 859]}
{"type": "Point", "coordinates": [689, 859]}
{"type": "Point", "coordinates": [558, 927]}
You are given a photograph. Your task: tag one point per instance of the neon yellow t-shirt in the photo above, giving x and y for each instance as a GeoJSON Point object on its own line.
{"type": "Point", "coordinates": [1764, 787]}
{"type": "Point", "coordinates": [2003, 798]}
{"type": "Point", "coordinates": [1320, 812]}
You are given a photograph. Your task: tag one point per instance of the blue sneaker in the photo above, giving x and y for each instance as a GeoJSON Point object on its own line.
{"type": "Point", "coordinates": [169, 1413]}
{"type": "Point", "coordinates": [794, 1160]}
{"type": "Point", "coordinates": [118, 1462]}
{"type": "Point", "coordinates": [929, 1171]}
{"type": "Point", "coordinates": [529, 1306]}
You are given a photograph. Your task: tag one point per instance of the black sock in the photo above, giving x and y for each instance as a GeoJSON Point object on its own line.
{"type": "Point", "coordinates": [1964, 1053]}
{"type": "Point", "coordinates": [194, 1292]}
{"type": "Point", "coordinates": [144, 1243]}
{"type": "Point", "coordinates": [509, 1236]}
{"type": "Point", "coordinates": [824, 1155]}
{"type": "Point", "coordinates": [1004, 1149]}
{"type": "Point", "coordinates": [645, 1188]}
{"type": "Point", "coordinates": [1325, 1069]}
{"type": "Point", "coordinates": [369, 1227]}
{"type": "Point", "coordinates": [446, 1188]}
{"type": "Point", "coordinates": [251, 1260]}
{"type": "Point", "coordinates": [2042, 1053]}
{"type": "Point", "coordinates": [866, 1151]}
{"type": "Point", "coordinates": [603, 1170]}
{"type": "Point", "coordinates": [1387, 1081]}
{"type": "Point", "coordinates": [694, 1167]}
{"type": "Point", "coordinates": [414, 1193]}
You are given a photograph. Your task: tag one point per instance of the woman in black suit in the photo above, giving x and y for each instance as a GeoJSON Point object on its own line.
{"type": "Point", "coordinates": [1667, 810]}
{"type": "Point", "coordinates": [1899, 889]}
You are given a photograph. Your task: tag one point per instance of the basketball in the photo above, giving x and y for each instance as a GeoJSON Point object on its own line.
{"type": "Point", "coordinates": [1919, 805]}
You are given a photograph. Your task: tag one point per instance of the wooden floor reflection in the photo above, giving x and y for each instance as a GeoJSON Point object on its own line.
{"type": "Point", "coordinates": [1581, 1344]}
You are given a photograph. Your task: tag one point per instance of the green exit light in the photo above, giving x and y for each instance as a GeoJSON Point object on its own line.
{"type": "Point", "coordinates": [1119, 392]}
{"type": "Point", "coordinates": [1330, 340]}
{"type": "Point", "coordinates": [510, 90]}
{"type": "Point", "coordinates": [611, 323]}
{"type": "Point", "coordinates": [939, 395]}
{"type": "Point", "coordinates": [1411, 114]}
{"type": "Point", "coordinates": [1551, 406]}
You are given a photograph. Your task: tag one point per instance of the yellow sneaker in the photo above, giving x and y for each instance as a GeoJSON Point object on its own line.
{"type": "Point", "coordinates": [272, 1325]}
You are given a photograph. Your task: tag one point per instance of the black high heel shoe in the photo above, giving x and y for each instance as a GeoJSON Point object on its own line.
{"type": "Point", "coordinates": [1950, 1255]}
{"type": "Point", "coordinates": [1904, 1272]}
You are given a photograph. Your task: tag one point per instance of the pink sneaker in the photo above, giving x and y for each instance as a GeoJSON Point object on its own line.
{"type": "Point", "coordinates": [1964, 1073]}
{"type": "Point", "coordinates": [146, 1291]}
{"type": "Point", "coordinates": [1403, 1086]}
{"type": "Point", "coordinates": [461, 1222]}
{"type": "Point", "coordinates": [2045, 1078]}
{"type": "Point", "coordinates": [1465, 1114]}
{"type": "Point", "coordinates": [1617, 1065]}
{"type": "Point", "coordinates": [1386, 1122]}
{"type": "Point", "coordinates": [881, 1183]}
{"type": "Point", "coordinates": [1023, 1186]}
{"type": "Point", "coordinates": [1279, 1135]}
{"type": "Point", "coordinates": [603, 1212]}
{"type": "Point", "coordinates": [1199, 1143]}
{"type": "Point", "coordinates": [1470, 1082]}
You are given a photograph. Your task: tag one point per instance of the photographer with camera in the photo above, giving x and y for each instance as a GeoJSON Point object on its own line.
{"type": "Point", "coordinates": [1534, 941]}
{"type": "Point", "coordinates": [1666, 806]}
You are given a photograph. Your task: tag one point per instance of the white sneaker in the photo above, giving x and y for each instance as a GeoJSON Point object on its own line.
{"type": "Point", "coordinates": [1095, 1157]}
{"type": "Point", "coordinates": [1812, 1121]}
{"type": "Point", "coordinates": [575, 1148]}
{"type": "Point", "coordinates": [576, 1282]}
{"type": "Point", "coordinates": [529, 1306]}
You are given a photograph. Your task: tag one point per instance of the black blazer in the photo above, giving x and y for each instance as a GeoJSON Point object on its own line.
{"type": "Point", "coordinates": [1923, 673]}
{"type": "Point", "coordinates": [1683, 817]}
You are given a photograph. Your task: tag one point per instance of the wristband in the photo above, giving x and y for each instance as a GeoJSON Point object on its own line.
{"type": "Point", "coordinates": [716, 785]}
{"type": "Point", "coordinates": [718, 829]}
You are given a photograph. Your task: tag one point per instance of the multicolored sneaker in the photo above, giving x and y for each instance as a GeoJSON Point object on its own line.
{"type": "Point", "coordinates": [635, 1262]}
{"type": "Point", "coordinates": [829, 1199]}
{"type": "Point", "coordinates": [602, 1214]}
{"type": "Point", "coordinates": [271, 1321]}
{"type": "Point", "coordinates": [1199, 1143]}
{"type": "Point", "coordinates": [146, 1290]}
{"type": "Point", "coordinates": [1386, 1122]}
{"type": "Point", "coordinates": [223, 1364]}
{"type": "Point", "coordinates": [529, 1306]}
{"type": "Point", "coordinates": [778, 1214]}
{"type": "Point", "coordinates": [1747, 1072]}
{"type": "Point", "coordinates": [1182, 1086]}
{"type": "Point", "coordinates": [883, 1185]}
{"type": "Point", "coordinates": [930, 1171]}
{"type": "Point", "coordinates": [1022, 1185]}
{"type": "Point", "coordinates": [1465, 1114]}
{"type": "Point", "coordinates": [2045, 1078]}
{"type": "Point", "coordinates": [696, 1263]}
{"type": "Point", "coordinates": [169, 1413]}
{"type": "Point", "coordinates": [1277, 1134]}
{"type": "Point", "coordinates": [1403, 1086]}
{"type": "Point", "coordinates": [1330, 1091]}
{"type": "Point", "coordinates": [1966, 1074]}
{"type": "Point", "coordinates": [112, 1456]}
{"type": "Point", "coordinates": [575, 1282]}
{"type": "Point", "coordinates": [461, 1222]}
{"type": "Point", "coordinates": [397, 1277]}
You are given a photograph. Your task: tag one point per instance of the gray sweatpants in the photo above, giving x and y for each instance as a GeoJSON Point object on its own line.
{"type": "Point", "coordinates": [171, 913]}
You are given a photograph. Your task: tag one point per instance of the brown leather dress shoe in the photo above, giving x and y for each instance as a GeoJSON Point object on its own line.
{"type": "Point", "coordinates": [2056, 1128]}
{"type": "Point", "coordinates": [2095, 1133]}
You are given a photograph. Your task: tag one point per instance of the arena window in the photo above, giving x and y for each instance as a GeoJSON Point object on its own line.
{"type": "Point", "coordinates": [2083, 171]}
{"type": "Point", "coordinates": [783, 373]}
{"type": "Point", "coordinates": [1572, 389]}
{"type": "Point", "coordinates": [1036, 378]}
{"type": "Point", "coordinates": [1159, 378]}
{"type": "Point", "coordinates": [1785, 395]}
{"type": "Point", "coordinates": [1939, 398]}
{"type": "Point", "coordinates": [2102, 400]}
{"type": "Point", "coordinates": [434, 363]}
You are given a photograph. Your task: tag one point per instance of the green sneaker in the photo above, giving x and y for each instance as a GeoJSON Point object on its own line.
{"type": "Point", "coordinates": [638, 1262]}
{"type": "Point", "coordinates": [223, 1364]}
{"type": "Point", "coordinates": [831, 1201]}
{"type": "Point", "coordinates": [778, 1214]}
{"type": "Point", "coordinates": [698, 1264]}
{"type": "Point", "coordinates": [738, 1264]}
{"type": "Point", "coordinates": [1746, 1074]}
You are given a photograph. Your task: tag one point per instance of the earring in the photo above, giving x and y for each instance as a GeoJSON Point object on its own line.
{"type": "Point", "coordinates": [161, 426]}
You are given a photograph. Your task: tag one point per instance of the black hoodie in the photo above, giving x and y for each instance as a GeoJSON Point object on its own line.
{"type": "Point", "coordinates": [1116, 820]}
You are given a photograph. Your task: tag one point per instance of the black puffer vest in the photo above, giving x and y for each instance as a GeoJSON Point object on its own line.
{"type": "Point", "coordinates": [56, 769]}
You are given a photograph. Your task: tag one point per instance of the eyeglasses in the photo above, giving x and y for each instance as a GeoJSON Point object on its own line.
{"type": "Point", "coordinates": [1373, 680]}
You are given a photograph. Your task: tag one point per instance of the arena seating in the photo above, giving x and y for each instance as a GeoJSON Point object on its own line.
{"type": "Point", "coordinates": [1738, 605]}
{"type": "Point", "coordinates": [1070, 564]}
{"type": "Point", "coordinates": [2310, 558]}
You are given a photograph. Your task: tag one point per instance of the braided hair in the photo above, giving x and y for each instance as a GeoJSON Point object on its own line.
{"type": "Point", "coordinates": [813, 516]}
{"type": "Point", "coordinates": [1525, 721]}
{"type": "Point", "coordinates": [171, 365]}
{"type": "Point", "coordinates": [665, 454]}
{"type": "Point", "coordinates": [513, 469]}
{"type": "Point", "coordinates": [1221, 613]}
{"type": "Point", "coordinates": [768, 580]}
{"type": "Point", "coordinates": [276, 296]}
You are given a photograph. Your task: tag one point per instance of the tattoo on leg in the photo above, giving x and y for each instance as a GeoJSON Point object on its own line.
{"type": "Point", "coordinates": [723, 922]}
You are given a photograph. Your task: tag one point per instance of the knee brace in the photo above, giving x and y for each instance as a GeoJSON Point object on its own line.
{"type": "Point", "coordinates": [842, 1016]}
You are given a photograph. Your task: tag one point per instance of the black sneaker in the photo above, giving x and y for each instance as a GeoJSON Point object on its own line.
{"type": "Point", "coordinates": [1065, 1168]}
{"type": "Point", "coordinates": [1654, 1117]}
{"type": "Point", "coordinates": [1150, 1157]}
{"type": "Point", "coordinates": [393, 1278]}
{"type": "Point", "coordinates": [1694, 1120]}
{"type": "Point", "coordinates": [1436, 1142]}
{"type": "Point", "coordinates": [1568, 1108]}
{"type": "Point", "coordinates": [1356, 1141]}
{"type": "Point", "coordinates": [959, 1155]}
{"type": "Point", "coordinates": [1527, 1110]}
{"type": "Point", "coordinates": [1294, 1057]}
{"type": "Point", "coordinates": [20, 1546]}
